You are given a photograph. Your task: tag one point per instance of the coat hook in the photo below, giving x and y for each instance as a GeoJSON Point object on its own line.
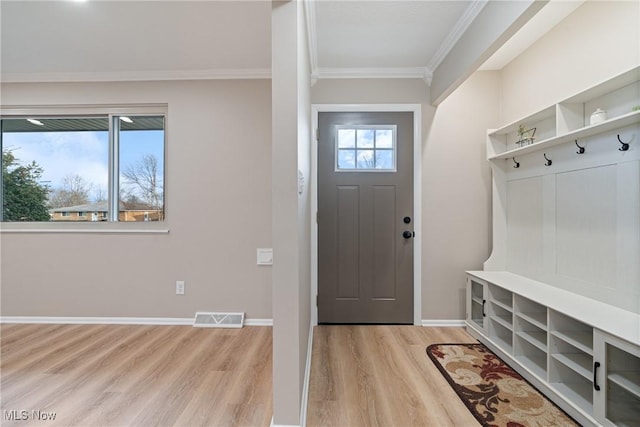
{"type": "Point", "coordinates": [581, 149]}
{"type": "Point", "coordinates": [625, 145]}
{"type": "Point", "coordinates": [516, 164]}
{"type": "Point", "coordinates": [548, 162]}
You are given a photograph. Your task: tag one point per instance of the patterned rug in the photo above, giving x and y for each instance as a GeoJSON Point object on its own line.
{"type": "Point", "coordinates": [494, 393]}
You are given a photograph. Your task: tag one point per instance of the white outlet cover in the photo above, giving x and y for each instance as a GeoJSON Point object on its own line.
{"type": "Point", "coordinates": [265, 256]}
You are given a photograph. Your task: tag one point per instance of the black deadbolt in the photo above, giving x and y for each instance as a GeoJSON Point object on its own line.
{"type": "Point", "coordinates": [407, 219]}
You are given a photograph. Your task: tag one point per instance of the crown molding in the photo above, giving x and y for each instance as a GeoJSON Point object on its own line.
{"type": "Point", "coordinates": [374, 73]}
{"type": "Point", "coordinates": [472, 11]}
{"type": "Point", "coordinates": [310, 15]}
{"type": "Point", "coordinates": [124, 76]}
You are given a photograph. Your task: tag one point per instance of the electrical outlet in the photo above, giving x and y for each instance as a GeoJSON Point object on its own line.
{"type": "Point", "coordinates": [180, 287]}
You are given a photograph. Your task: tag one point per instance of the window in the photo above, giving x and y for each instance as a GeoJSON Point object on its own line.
{"type": "Point", "coordinates": [141, 168]}
{"type": "Point", "coordinates": [366, 148]}
{"type": "Point", "coordinates": [59, 168]}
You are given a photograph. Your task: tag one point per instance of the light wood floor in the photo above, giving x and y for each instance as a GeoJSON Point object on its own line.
{"type": "Point", "coordinates": [114, 375]}
{"type": "Point", "coordinates": [381, 376]}
{"type": "Point", "coordinates": [99, 375]}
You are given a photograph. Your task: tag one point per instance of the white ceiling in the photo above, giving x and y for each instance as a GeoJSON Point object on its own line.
{"type": "Point", "coordinates": [133, 40]}
{"type": "Point", "coordinates": [379, 35]}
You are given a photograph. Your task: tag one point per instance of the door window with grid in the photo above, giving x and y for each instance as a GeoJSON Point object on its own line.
{"type": "Point", "coordinates": [366, 148]}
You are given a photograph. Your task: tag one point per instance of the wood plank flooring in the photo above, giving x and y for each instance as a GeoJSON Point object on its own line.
{"type": "Point", "coordinates": [120, 375]}
{"type": "Point", "coordinates": [381, 376]}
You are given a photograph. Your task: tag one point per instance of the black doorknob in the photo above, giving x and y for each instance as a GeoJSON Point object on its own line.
{"type": "Point", "coordinates": [408, 234]}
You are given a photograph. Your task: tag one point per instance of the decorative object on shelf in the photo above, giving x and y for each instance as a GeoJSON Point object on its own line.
{"type": "Point", "coordinates": [598, 116]}
{"type": "Point", "coordinates": [548, 160]}
{"type": "Point", "coordinates": [516, 164]}
{"type": "Point", "coordinates": [581, 149]}
{"type": "Point", "coordinates": [636, 108]}
{"type": "Point", "coordinates": [625, 145]}
{"type": "Point", "coordinates": [526, 136]}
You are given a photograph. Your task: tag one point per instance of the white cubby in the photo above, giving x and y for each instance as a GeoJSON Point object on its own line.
{"type": "Point", "coordinates": [578, 389]}
{"type": "Point", "coordinates": [501, 316]}
{"type": "Point", "coordinates": [554, 338]}
{"type": "Point", "coordinates": [530, 356]}
{"type": "Point", "coordinates": [531, 312]}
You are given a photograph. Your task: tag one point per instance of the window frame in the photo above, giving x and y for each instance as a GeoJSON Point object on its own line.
{"type": "Point", "coordinates": [112, 113]}
{"type": "Point", "coordinates": [374, 128]}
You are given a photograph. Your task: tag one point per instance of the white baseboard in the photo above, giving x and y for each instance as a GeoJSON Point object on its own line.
{"type": "Point", "coordinates": [258, 322]}
{"type": "Point", "coordinates": [281, 425]}
{"type": "Point", "coordinates": [453, 323]}
{"type": "Point", "coordinates": [118, 320]}
{"type": "Point", "coordinates": [307, 378]}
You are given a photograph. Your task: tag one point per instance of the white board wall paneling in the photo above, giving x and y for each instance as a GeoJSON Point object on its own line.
{"type": "Point", "coordinates": [574, 224]}
{"type": "Point", "coordinates": [524, 226]}
{"type": "Point", "coordinates": [628, 237]}
{"type": "Point", "coordinates": [497, 261]}
{"type": "Point", "coordinates": [549, 228]}
{"type": "Point", "coordinates": [586, 225]}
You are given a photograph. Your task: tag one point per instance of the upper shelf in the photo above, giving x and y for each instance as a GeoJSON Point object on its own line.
{"type": "Point", "coordinates": [569, 119]}
{"type": "Point", "coordinates": [617, 122]}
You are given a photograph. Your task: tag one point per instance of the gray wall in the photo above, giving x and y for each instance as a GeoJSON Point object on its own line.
{"type": "Point", "coordinates": [218, 187]}
{"type": "Point", "coordinates": [456, 201]}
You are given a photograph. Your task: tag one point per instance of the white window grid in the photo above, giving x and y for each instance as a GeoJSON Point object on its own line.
{"type": "Point", "coordinates": [374, 148]}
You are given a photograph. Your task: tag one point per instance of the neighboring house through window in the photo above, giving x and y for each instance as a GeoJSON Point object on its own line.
{"type": "Point", "coordinates": [93, 165]}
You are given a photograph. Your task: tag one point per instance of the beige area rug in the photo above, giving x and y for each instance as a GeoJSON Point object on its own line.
{"type": "Point", "coordinates": [494, 393]}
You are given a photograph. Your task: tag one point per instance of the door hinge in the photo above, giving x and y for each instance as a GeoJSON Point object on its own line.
{"type": "Point", "coordinates": [317, 134]}
{"type": "Point", "coordinates": [316, 300]}
{"type": "Point", "coordinates": [317, 217]}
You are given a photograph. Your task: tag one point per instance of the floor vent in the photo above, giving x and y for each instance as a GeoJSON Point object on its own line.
{"type": "Point", "coordinates": [218, 320]}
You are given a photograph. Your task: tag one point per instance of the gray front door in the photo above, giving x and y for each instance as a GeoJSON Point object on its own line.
{"type": "Point", "coordinates": [365, 217]}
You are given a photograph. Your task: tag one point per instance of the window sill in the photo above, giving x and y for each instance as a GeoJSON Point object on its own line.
{"type": "Point", "coordinates": [111, 228]}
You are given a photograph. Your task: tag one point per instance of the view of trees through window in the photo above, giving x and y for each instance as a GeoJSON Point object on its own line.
{"type": "Point", "coordinates": [57, 169]}
{"type": "Point", "coordinates": [365, 148]}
